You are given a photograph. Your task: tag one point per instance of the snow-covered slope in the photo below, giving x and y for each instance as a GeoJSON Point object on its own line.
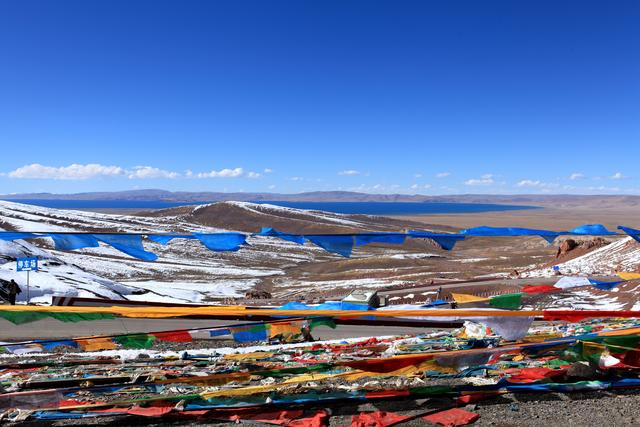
{"type": "Point", "coordinates": [621, 255]}
{"type": "Point", "coordinates": [186, 271]}
{"type": "Point", "coordinates": [54, 277]}
{"type": "Point", "coordinates": [90, 272]}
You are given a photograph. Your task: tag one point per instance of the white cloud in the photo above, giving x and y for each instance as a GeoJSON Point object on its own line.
{"type": "Point", "coordinates": [71, 172]}
{"type": "Point", "coordinates": [604, 188]}
{"type": "Point", "coordinates": [575, 176]}
{"type": "Point", "coordinates": [486, 179]}
{"type": "Point", "coordinates": [268, 170]}
{"type": "Point", "coordinates": [223, 173]}
{"type": "Point", "coordinates": [617, 175]}
{"type": "Point", "coordinates": [296, 178]}
{"type": "Point", "coordinates": [349, 172]}
{"type": "Point", "coordinates": [417, 175]}
{"type": "Point", "coordinates": [228, 173]}
{"type": "Point", "coordinates": [149, 172]}
{"type": "Point", "coordinates": [443, 174]}
{"type": "Point", "coordinates": [271, 187]}
{"type": "Point", "coordinates": [420, 187]}
{"type": "Point", "coordinates": [528, 183]}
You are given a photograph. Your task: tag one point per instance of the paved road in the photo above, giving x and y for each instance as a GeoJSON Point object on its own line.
{"type": "Point", "coordinates": [53, 329]}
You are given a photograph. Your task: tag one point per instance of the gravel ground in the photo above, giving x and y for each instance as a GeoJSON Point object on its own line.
{"type": "Point", "coordinates": [577, 409]}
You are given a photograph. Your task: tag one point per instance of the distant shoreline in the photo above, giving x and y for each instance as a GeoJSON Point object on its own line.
{"type": "Point", "coordinates": [352, 208]}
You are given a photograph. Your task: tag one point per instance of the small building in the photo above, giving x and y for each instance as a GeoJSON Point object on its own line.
{"type": "Point", "coordinates": [364, 298]}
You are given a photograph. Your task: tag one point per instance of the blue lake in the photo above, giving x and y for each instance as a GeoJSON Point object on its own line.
{"type": "Point", "coordinates": [369, 208]}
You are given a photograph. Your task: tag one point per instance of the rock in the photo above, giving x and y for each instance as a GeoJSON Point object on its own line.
{"type": "Point", "coordinates": [572, 248]}
{"type": "Point", "coordinates": [565, 247]}
{"type": "Point", "coordinates": [581, 370]}
{"type": "Point", "coordinates": [255, 294]}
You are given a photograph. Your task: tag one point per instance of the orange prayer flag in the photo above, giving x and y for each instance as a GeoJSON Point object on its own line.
{"type": "Point", "coordinates": [97, 344]}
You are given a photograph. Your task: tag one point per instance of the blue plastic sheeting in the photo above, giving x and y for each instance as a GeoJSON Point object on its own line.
{"type": "Point", "coordinates": [219, 242]}
{"type": "Point", "coordinates": [69, 242]}
{"type": "Point", "coordinates": [631, 232]}
{"type": "Point", "coordinates": [329, 305]}
{"type": "Point", "coordinates": [53, 344]}
{"type": "Point", "coordinates": [340, 305]}
{"type": "Point", "coordinates": [163, 239]}
{"type": "Point", "coordinates": [130, 244]}
{"type": "Point", "coordinates": [338, 244]}
{"type": "Point", "coordinates": [445, 241]}
{"type": "Point", "coordinates": [592, 229]}
{"type": "Point", "coordinates": [436, 303]}
{"type": "Point", "coordinates": [354, 306]}
{"type": "Point", "coordinates": [268, 231]}
{"type": "Point", "coordinates": [484, 231]}
{"type": "Point", "coordinates": [294, 305]}
{"type": "Point", "coordinates": [605, 286]}
{"type": "Point", "coordinates": [15, 235]}
{"type": "Point", "coordinates": [390, 238]}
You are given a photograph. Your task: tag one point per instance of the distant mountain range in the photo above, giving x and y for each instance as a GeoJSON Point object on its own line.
{"type": "Point", "coordinates": [330, 196]}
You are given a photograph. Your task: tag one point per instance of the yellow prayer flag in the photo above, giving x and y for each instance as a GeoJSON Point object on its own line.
{"type": "Point", "coordinates": [465, 298]}
{"type": "Point", "coordinates": [287, 330]}
{"type": "Point", "coordinates": [629, 276]}
{"type": "Point", "coordinates": [97, 344]}
{"type": "Point", "coordinates": [256, 355]}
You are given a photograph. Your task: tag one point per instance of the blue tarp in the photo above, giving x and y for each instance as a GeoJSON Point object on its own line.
{"type": "Point", "coordinates": [592, 229]}
{"type": "Point", "coordinates": [268, 231]}
{"type": "Point", "coordinates": [222, 241]}
{"type": "Point", "coordinates": [631, 232]}
{"type": "Point", "coordinates": [69, 242]}
{"type": "Point", "coordinates": [390, 238]}
{"type": "Point", "coordinates": [341, 244]}
{"type": "Point", "coordinates": [485, 231]}
{"type": "Point", "coordinates": [163, 239]}
{"type": "Point", "coordinates": [294, 305]}
{"type": "Point", "coordinates": [329, 305]}
{"type": "Point", "coordinates": [130, 244]}
{"type": "Point", "coordinates": [605, 286]}
{"type": "Point", "coordinates": [445, 241]}
{"type": "Point", "coordinates": [338, 244]}
{"type": "Point", "coordinates": [15, 235]}
{"type": "Point", "coordinates": [436, 303]}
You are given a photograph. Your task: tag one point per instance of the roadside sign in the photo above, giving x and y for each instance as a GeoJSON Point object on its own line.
{"type": "Point", "coordinates": [27, 264]}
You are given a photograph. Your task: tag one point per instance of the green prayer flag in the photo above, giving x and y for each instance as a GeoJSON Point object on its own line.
{"type": "Point", "coordinates": [314, 323]}
{"type": "Point", "coordinates": [20, 317]}
{"type": "Point", "coordinates": [508, 301]}
{"type": "Point", "coordinates": [78, 317]}
{"type": "Point", "coordinates": [136, 341]}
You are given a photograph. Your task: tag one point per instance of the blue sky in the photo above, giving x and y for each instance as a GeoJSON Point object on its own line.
{"type": "Point", "coordinates": [375, 96]}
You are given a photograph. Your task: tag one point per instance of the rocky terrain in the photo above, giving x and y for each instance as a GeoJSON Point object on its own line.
{"type": "Point", "coordinates": [270, 267]}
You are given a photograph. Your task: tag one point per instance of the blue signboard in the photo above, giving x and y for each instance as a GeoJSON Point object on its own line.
{"type": "Point", "coordinates": [27, 264]}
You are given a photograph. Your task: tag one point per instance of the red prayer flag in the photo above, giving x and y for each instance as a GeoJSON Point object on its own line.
{"type": "Point", "coordinates": [540, 289]}
{"type": "Point", "coordinates": [376, 419]}
{"type": "Point", "coordinates": [452, 417]}
{"type": "Point", "coordinates": [173, 336]}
